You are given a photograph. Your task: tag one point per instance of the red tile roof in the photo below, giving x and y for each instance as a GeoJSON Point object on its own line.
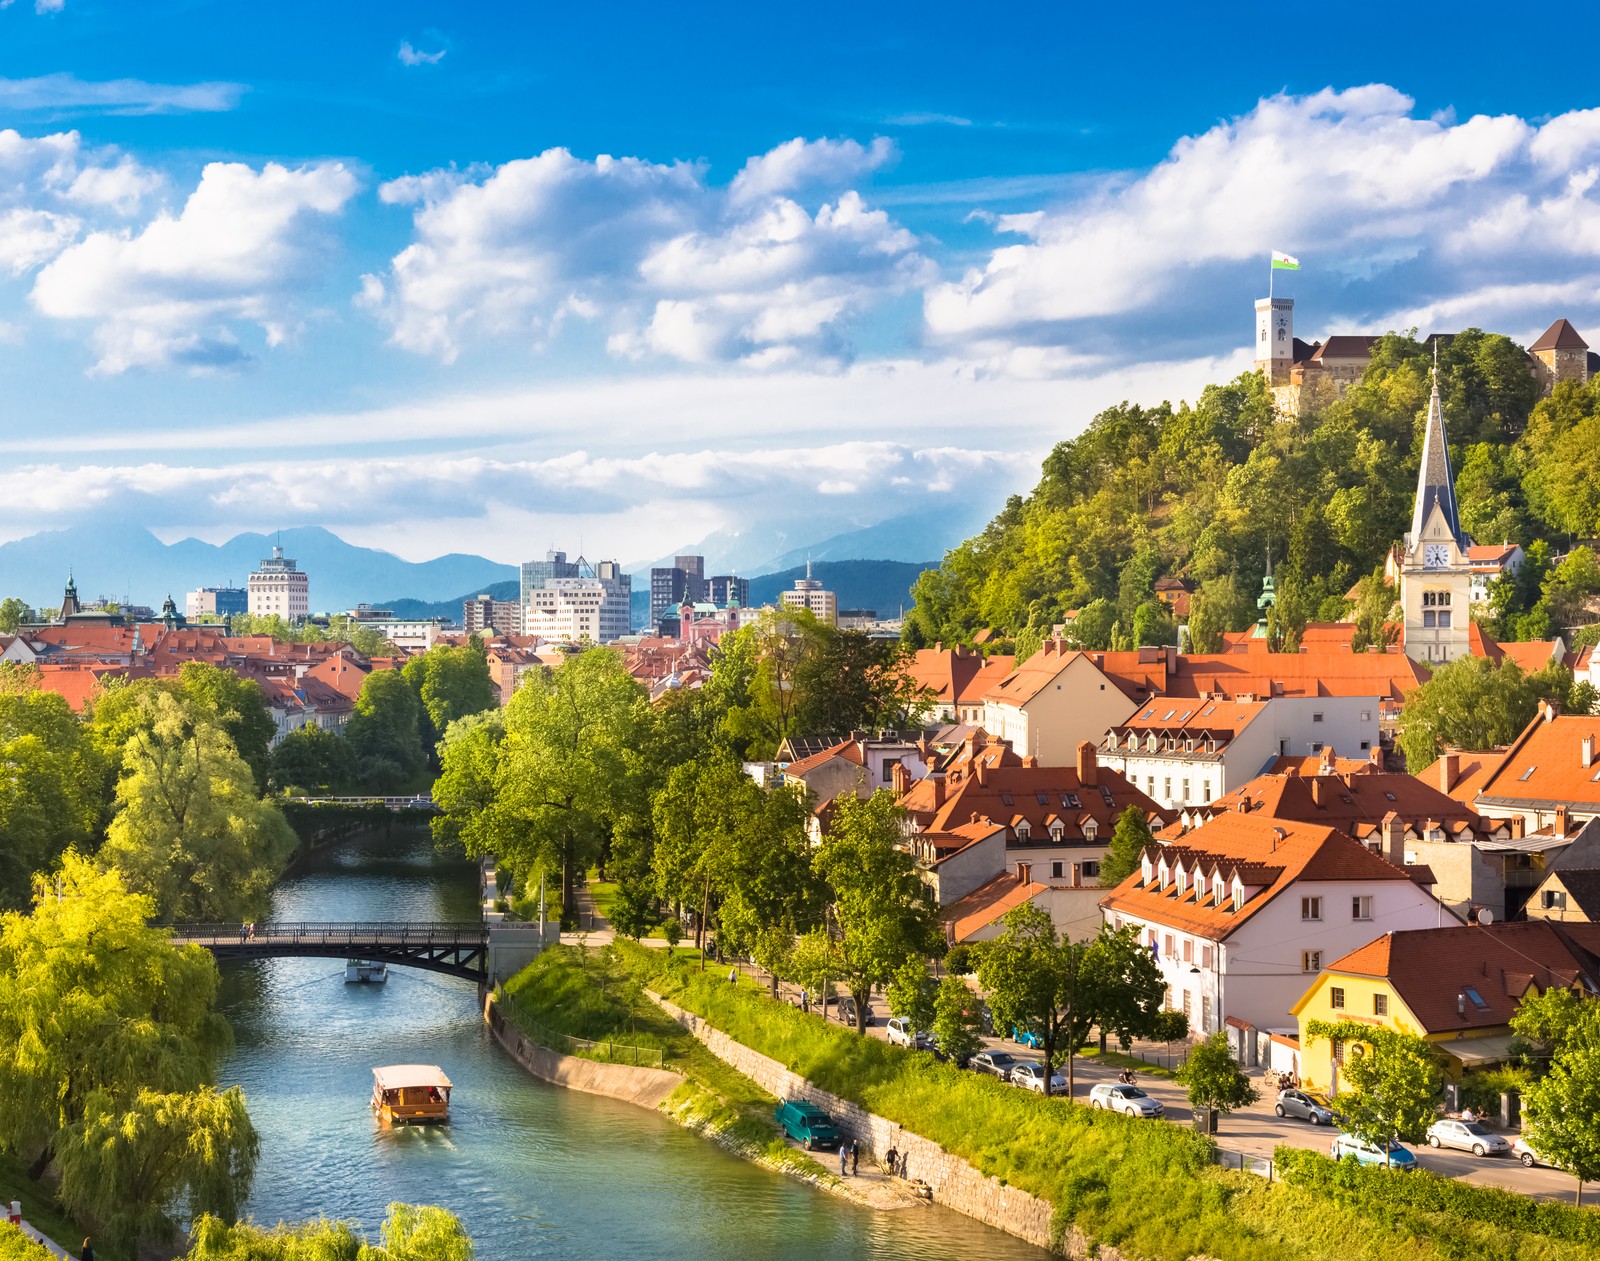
{"type": "Point", "coordinates": [1269, 855]}
{"type": "Point", "coordinates": [1545, 764]}
{"type": "Point", "coordinates": [1354, 803]}
{"type": "Point", "coordinates": [957, 676]}
{"type": "Point", "coordinates": [986, 904]}
{"type": "Point", "coordinates": [1438, 971]}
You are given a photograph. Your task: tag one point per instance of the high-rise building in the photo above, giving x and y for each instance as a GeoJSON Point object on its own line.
{"type": "Point", "coordinates": [483, 613]}
{"type": "Point", "coordinates": [577, 601]}
{"type": "Point", "coordinates": [808, 594]}
{"type": "Point", "coordinates": [682, 582]}
{"type": "Point", "coordinates": [216, 602]}
{"type": "Point", "coordinates": [726, 589]}
{"type": "Point", "coordinates": [279, 589]}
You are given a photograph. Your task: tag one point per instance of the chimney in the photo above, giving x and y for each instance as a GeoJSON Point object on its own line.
{"type": "Point", "coordinates": [1172, 656]}
{"type": "Point", "coordinates": [1561, 820]}
{"type": "Point", "coordinates": [1279, 835]}
{"type": "Point", "coordinates": [1394, 839]}
{"type": "Point", "coordinates": [1518, 827]}
{"type": "Point", "coordinates": [982, 772]}
{"type": "Point", "coordinates": [1375, 756]}
{"type": "Point", "coordinates": [937, 777]}
{"type": "Point", "coordinates": [1024, 873]}
{"type": "Point", "coordinates": [1320, 789]}
{"type": "Point", "coordinates": [1030, 762]}
{"type": "Point", "coordinates": [1449, 771]}
{"type": "Point", "coordinates": [1329, 760]}
{"type": "Point", "coordinates": [1551, 709]}
{"type": "Point", "coordinates": [1088, 764]}
{"type": "Point", "coordinates": [900, 778]}
{"type": "Point", "coordinates": [1586, 754]}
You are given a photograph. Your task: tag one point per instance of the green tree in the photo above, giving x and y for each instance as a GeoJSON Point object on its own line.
{"type": "Point", "coordinates": [565, 770]}
{"type": "Point", "coordinates": [450, 683]}
{"type": "Point", "coordinates": [1091, 630]}
{"type": "Point", "coordinates": [1220, 606]}
{"type": "Point", "coordinates": [1374, 612]}
{"type": "Point", "coordinates": [1553, 1019]}
{"type": "Point", "coordinates": [956, 1026]}
{"type": "Point", "coordinates": [310, 760]}
{"type": "Point", "coordinates": [410, 1233]}
{"type": "Point", "coordinates": [13, 613]}
{"type": "Point", "coordinates": [1467, 704]}
{"type": "Point", "coordinates": [1035, 982]}
{"type": "Point", "coordinates": [1128, 841]}
{"type": "Point", "coordinates": [1389, 1081]}
{"type": "Point", "coordinates": [238, 706]}
{"type": "Point", "coordinates": [1214, 1079]}
{"type": "Point", "coordinates": [137, 1165]}
{"type": "Point", "coordinates": [190, 831]}
{"type": "Point", "coordinates": [911, 994]}
{"type": "Point", "coordinates": [1562, 1108]}
{"type": "Point", "coordinates": [879, 905]}
{"type": "Point", "coordinates": [385, 733]}
{"type": "Point", "coordinates": [1153, 625]}
{"type": "Point", "coordinates": [1124, 987]}
{"type": "Point", "coordinates": [96, 1006]}
{"type": "Point", "coordinates": [51, 791]}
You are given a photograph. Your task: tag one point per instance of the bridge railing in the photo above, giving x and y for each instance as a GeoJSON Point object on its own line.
{"type": "Point", "coordinates": [381, 932]}
{"type": "Point", "coordinates": [417, 801]}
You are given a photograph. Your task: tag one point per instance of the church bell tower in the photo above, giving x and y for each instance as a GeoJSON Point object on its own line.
{"type": "Point", "coordinates": [1436, 579]}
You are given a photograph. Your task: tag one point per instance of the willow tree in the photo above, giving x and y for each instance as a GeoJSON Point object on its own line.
{"type": "Point", "coordinates": [412, 1232]}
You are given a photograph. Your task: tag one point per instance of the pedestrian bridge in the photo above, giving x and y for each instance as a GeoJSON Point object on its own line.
{"type": "Point", "coordinates": [478, 951]}
{"type": "Point", "coordinates": [419, 801]}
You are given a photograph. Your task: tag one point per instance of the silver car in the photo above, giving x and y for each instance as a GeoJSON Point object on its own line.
{"type": "Point", "coordinates": [1129, 1100]}
{"type": "Point", "coordinates": [1523, 1151]}
{"type": "Point", "coordinates": [1030, 1076]}
{"type": "Point", "coordinates": [1467, 1136]}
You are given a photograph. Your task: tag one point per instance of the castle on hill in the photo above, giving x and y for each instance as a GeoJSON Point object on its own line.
{"type": "Point", "coordinates": [1295, 368]}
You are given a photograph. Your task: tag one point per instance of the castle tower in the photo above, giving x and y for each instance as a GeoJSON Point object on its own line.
{"type": "Point", "coordinates": [1275, 339]}
{"type": "Point", "coordinates": [1435, 579]}
{"type": "Point", "coordinates": [1563, 353]}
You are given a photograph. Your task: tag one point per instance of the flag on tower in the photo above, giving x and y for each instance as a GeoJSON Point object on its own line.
{"type": "Point", "coordinates": [1282, 262]}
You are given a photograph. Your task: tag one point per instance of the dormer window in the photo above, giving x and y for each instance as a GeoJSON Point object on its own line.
{"type": "Point", "coordinates": [1056, 831]}
{"type": "Point", "coordinates": [1023, 830]}
{"type": "Point", "coordinates": [1218, 889]}
{"type": "Point", "coordinates": [1238, 894]}
{"type": "Point", "coordinates": [1091, 829]}
{"type": "Point", "coordinates": [1146, 869]}
{"type": "Point", "coordinates": [1182, 878]}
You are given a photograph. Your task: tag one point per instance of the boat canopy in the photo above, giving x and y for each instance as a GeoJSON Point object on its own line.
{"type": "Point", "coordinates": [399, 1076]}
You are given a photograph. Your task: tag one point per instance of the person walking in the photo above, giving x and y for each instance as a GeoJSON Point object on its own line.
{"type": "Point", "coordinates": [87, 1254]}
{"type": "Point", "coordinates": [903, 1172]}
{"type": "Point", "coordinates": [733, 976]}
{"type": "Point", "coordinates": [889, 1158]}
{"type": "Point", "coordinates": [844, 1155]}
{"type": "Point", "coordinates": [855, 1157]}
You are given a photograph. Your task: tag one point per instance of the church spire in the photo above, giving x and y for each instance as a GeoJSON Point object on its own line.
{"type": "Point", "coordinates": [1436, 483]}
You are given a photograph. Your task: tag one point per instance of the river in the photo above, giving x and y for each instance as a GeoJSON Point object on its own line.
{"type": "Point", "coordinates": [534, 1171]}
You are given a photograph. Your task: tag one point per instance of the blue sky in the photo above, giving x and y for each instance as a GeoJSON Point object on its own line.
{"type": "Point", "coordinates": [484, 277]}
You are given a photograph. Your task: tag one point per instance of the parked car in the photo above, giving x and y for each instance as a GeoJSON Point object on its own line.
{"type": "Point", "coordinates": [1397, 1157]}
{"type": "Point", "coordinates": [902, 1034]}
{"type": "Point", "coordinates": [844, 1007]}
{"type": "Point", "coordinates": [1304, 1107]}
{"type": "Point", "coordinates": [807, 1124]}
{"type": "Point", "coordinates": [1129, 1100]}
{"type": "Point", "coordinates": [995, 1063]}
{"type": "Point", "coordinates": [1466, 1136]}
{"type": "Point", "coordinates": [1028, 1038]}
{"type": "Point", "coordinates": [1030, 1076]}
{"type": "Point", "coordinates": [1523, 1151]}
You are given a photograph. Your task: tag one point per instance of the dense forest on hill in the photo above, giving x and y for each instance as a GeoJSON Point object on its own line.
{"type": "Point", "coordinates": [1207, 491]}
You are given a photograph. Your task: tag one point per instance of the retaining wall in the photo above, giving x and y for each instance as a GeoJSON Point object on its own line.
{"type": "Point", "coordinates": [955, 1183]}
{"type": "Point", "coordinates": [647, 1087]}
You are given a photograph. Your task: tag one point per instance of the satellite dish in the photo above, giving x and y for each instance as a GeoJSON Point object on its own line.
{"type": "Point", "coordinates": [1486, 916]}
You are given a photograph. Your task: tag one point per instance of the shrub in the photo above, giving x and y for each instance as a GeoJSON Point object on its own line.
{"type": "Point", "coordinates": [959, 960]}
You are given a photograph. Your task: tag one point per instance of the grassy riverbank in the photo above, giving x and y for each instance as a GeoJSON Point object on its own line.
{"type": "Point", "coordinates": [1146, 1187]}
{"type": "Point", "coordinates": [599, 995]}
{"type": "Point", "coordinates": [39, 1207]}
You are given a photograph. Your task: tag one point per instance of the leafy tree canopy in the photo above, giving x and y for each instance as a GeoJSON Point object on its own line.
{"type": "Point", "coordinates": [1470, 703]}
{"type": "Point", "coordinates": [410, 1233]}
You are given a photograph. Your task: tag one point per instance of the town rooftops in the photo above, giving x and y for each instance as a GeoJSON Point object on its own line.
{"type": "Point", "coordinates": [1256, 857]}
{"type": "Point", "coordinates": [1036, 673]}
{"type": "Point", "coordinates": [1472, 976]}
{"type": "Point", "coordinates": [1559, 336]}
{"type": "Point", "coordinates": [1345, 346]}
{"type": "Point", "coordinates": [987, 903]}
{"type": "Point", "coordinates": [1583, 888]}
{"type": "Point", "coordinates": [1355, 803]}
{"type": "Point", "coordinates": [1555, 761]}
{"type": "Point", "coordinates": [957, 676]}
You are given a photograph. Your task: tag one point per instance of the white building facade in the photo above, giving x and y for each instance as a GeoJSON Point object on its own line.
{"type": "Point", "coordinates": [279, 588]}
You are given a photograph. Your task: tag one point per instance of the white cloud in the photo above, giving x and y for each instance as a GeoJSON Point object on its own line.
{"type": "Point", "coordinates": [1405, 213]}
{"type": "Point", "coordinates": [671, 264]}
{"type": "Point", "coordinates": [244, 245]}
{"type": "Point", "coordinates": [64, 92]}
{"type": "Point", "coordinates": [410, 56]}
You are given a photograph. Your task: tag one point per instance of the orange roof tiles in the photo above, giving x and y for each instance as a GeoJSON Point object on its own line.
{"type": "Point", "coordinates": [1355, 803]}
{"type": "Point", "coordinates": [988, 903]}
{"type": "Point", "coordinates": [1472, 976]}
{"type": "Point", "coordinates": [1545, 764]}
{"type": "Point", "coordinates": [956, 676]}
{"type": "Point", "coordinates": [1009, 794]}
{"type": "Point", "coordinates": [1269, 854]}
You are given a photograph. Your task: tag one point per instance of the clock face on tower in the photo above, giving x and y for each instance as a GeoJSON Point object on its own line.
{"type": "Point", "coordinates": [1436, 555]}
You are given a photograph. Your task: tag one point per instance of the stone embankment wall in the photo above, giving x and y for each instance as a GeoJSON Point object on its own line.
{"type": "Point", "coordinates": [955, 1183]}
{"type": "Point", "coordinates": [647, 1087]}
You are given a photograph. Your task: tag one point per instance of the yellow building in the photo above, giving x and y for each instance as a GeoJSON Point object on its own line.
{"type": "Point", "coordinates": [1455, 987]}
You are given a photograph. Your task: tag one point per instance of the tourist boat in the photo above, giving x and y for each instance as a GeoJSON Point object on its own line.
{"type": "Point", "coordinates": [359, 971]}
{"type": "Point", "coordinates": [408, 1093]}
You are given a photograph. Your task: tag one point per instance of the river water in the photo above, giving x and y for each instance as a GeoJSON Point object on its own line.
{"type": "Point", "coordinates": [534, 1171]}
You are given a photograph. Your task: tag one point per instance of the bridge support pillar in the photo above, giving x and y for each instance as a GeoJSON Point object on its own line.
{"type": "Point", "coordinates": [513, 945]}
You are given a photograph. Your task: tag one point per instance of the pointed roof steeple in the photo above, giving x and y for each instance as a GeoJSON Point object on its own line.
{"type": "Point", "coordinates": [1436, 483]}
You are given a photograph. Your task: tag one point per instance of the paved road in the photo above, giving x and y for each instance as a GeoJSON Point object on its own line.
{"type": "Point", "coordinates": [1257, 1130]}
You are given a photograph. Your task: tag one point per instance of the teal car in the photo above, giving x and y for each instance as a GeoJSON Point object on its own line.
{"type": "Point", "coordinates": [1028, 1038]}
{"type": "Point", "coordinates": [1397, 1157]}
{"type": "Point", "coordinates": [807, 1124]}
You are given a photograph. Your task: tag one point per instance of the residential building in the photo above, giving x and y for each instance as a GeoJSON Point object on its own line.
{"type": "Point", "coordinates": [1054, 700]}
{"type": "Point", "coordinates": [808, 594]}
{"type": "Point", "coordinates": [592, 602]}
{"type": "Point", "coordinates": [403, 632]}
{"type": "Point", "coordinates": [956, 679]}
{"type": "Point", "coordinates": [279, 588]}
{"type": "Point", "coordinates": [1188, 752]}
{"type": "Point", "coordinates": [1550, 773]}
{"type": "Point", "coordinates": [221, 602]}
{"type": "Point", "coordinates": [510, 663]}
{"type": "Point", "coordinates": [859, 765]}
{"type": "Point", "coordinates": [1455, 986]}
{"type": "Point", "coordinates": [1244, 911]}
{"type": "Point", "coordinates": [1567, 895]}
{"type": "Point", "coordinates": [485, 613]}
{"type": "Point", "coordinates": [980, 914]}
{"type": "Point", "coordinates": [1488, 561]}
{"type": "Point", "coordinates": [1059, 819]}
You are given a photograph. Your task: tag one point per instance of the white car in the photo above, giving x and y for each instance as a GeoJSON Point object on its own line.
{"type": "Point", "coordinates": [1466, 1136]}
{"type": "Point", "coordinates": [1523, 1151]}
{"type": "Point", "coordinates": [1129, 1100]}
{"type": "Point", "coordinates": [902, 1034]}
{"type": "Point", "coordinates": [1030, 1076]}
